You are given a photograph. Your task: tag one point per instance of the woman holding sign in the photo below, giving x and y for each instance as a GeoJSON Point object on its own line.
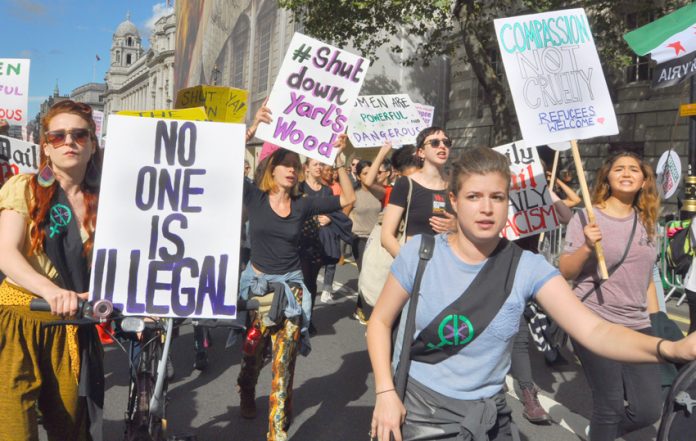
{"type": "Point", "coordinates": [422, 196]}
{"type": "Point", "coordinates": [627, 206]}
{"type": "Point", "coordinates": [456, 379]}
{"type": "Point", "coordinates": [46, 235]}
{"type": "Point", "coordinates": [276, 215]}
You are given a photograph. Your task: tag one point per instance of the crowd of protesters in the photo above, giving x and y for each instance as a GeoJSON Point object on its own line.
{"type": "Point", "coordinates": [302, 217]}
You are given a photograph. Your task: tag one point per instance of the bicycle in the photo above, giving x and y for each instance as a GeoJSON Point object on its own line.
{"type": "Point", "coordinates": [150, 338]}
{"type": "Point", "coordinates": [145, 417]}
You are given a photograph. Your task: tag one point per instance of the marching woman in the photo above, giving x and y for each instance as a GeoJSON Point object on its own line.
{"type": "Point", "coordinates": [626, 205]}
{"type": "Point", "coordinates": [428, 208]}
{"type": "Point", "coordinates": [46, 237]}
{"type": "Point", "coordinates": [455, 379]}
{"type": "Point", "coordinates": [276, 214]}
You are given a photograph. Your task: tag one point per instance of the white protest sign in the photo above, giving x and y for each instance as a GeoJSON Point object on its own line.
{"type": "Point", "coordinates": [313, 97]}
{"type": "Point", "coordinates": [380, 118]}
{"type": "Point", "coordinates": [14, 90]}
{"type": "Point", "coordinates": [531, 209]}
{"type": "Point", "coordinates": [98, 117]}
{"type": "Point", "coordinates": [167, 241]}
{"type": "Point", "coordinates": [17, 157]}
{"type": "Point", "coordinates": [555, 77]}
{"type": "Point", "coordinates": [426, 113]}
{"type": "Point", "coordinates": [668, 173]}
{"type": "Point", "coordinates": [560, 146]}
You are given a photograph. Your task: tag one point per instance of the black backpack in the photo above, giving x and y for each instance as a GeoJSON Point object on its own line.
{"type": "Point", "coordinates": [679, 412]}
{"type": "Point", "coordinates": [680, 251]}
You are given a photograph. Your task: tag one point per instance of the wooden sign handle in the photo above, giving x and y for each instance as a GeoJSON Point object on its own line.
{"type": "Point", "coordinates": [599, 251]}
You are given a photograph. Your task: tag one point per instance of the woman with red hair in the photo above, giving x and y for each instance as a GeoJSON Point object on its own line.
{"type": "Point", "coordinates": [46, 235]}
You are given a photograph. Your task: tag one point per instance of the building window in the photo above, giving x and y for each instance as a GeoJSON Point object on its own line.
{"type": "Point", "coordinates": [639, 68]}
{"type": "Point", "coordinates": [129, 41]}
{"type": "Point", "coordinates": [118, 56]}
{"type": "Point", "coordinates": [240, 52]}
{"type": "Point", "coordinates": [128, 60]}
{"type": "Point", "coordinates": [263, 43]}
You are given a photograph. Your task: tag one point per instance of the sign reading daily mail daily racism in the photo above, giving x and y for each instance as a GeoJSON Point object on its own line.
{"type": "Point", "coordinates": [313, 97]}
{"type": "Point", "coordinates": [380, 118]}
{"type": "Point", "coordinates": [14, 90]}
{"type": "Point", "coordinates": [531, 208]}
{"type": "Point", "coordinates": [169, 218]}
{"type": "Point", "coordinates": [555, 77]}
{"type": "Point", "coordinates": [17, 157]}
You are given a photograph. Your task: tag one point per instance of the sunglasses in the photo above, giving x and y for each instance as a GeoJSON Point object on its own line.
{"type": "Point", "coordinates": [57, 137]}
{"type": "Point", "coordinates": [435, 143]}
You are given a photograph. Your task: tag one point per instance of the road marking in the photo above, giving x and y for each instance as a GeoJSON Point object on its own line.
{"type": "Point", "coordinates": [679, 318]}
{"type": "Point", "coordinates": [561, 415]}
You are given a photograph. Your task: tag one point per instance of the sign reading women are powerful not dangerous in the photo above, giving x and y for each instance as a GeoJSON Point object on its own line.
{"type": "Point", "coordinates": [531, 208]}
{"type": "Point", "coordinates": [14, 90]}
{"type": "Point", "coordinates": [170, 204]}
{"type": "Point", "coordinates": [380, 118]}
{"type": "Point", "coordinates": [555, 77]}
{"type": "Point", "coordinates": [313, 97]}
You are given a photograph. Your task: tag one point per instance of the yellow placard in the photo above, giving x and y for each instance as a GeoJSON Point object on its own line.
{"type": "Point", "coordinates": [192, 114]}
{"type": "Point", "coordinates": [222, 104]}
{"type": "Point", "coordinates": [687, 109]}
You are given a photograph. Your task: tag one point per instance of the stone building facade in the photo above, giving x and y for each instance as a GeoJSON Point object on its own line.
{"type": "Point", "coordinates": [242, 44]}
{"type": "Point", "coordinates": [90, 93]}
{"type": "Point", "coordinates": [140, 79]}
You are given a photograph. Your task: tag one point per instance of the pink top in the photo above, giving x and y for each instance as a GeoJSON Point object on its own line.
{"type": "Point", "coordinates": [622, 298]}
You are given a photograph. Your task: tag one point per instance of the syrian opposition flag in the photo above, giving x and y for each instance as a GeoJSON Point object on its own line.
{"type": "Point", "coordinates": [671, 42]}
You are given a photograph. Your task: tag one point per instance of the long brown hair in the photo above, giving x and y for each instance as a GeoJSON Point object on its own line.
{"type": "Point", "coordinates": [38, 210]}
{"type": "Point", "coordinates": [646, 201]}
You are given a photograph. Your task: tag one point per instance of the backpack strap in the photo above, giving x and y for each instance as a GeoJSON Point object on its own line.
{"type": "Point", "coordinates": [425, 253]}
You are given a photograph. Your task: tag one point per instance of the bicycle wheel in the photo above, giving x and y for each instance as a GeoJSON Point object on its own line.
{"type": "Point", "coordinates": [141, 424]}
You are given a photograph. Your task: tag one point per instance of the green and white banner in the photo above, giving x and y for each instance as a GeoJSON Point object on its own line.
{"type": "Point", "coordinates": [671, 42]}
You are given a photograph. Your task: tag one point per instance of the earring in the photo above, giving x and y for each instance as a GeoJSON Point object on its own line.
{"type": "Point", "coordinates": [46, 177]}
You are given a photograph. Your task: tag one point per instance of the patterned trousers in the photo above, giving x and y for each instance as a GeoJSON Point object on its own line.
{"type": "Point", "coordinates": [285, 340]}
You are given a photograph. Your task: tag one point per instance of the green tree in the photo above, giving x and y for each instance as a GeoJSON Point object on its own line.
{"type": "Point", "coordinates": [443, 25]}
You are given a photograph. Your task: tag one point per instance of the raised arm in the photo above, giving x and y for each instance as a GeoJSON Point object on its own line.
{"type": "Point", "coordinates": [15, 266]}
{"type": "Point", "coordinates": [572, 199]}
{"type": "Point", "coordinates": [263, 115]}
{"type": "Point", "coordinates": [347, 191]}
{"type": "Point", "coordinates": [376, 189]}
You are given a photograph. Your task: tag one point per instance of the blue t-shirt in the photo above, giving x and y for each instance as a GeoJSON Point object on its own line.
{"type": "Point", "coordinates": [477, 371]}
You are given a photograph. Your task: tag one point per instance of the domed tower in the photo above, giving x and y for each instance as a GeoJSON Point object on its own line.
{"type": "Point", "coordinates": [126, 47]}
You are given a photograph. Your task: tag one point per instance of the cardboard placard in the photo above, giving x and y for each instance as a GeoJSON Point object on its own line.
{"type": "Point", "coordinates": [222, 104]}
{"type": "Point", "coordinates": [555, 77]}
{"type": "Point", "coordinates": [14, 90]}
{"type": "Point", "coordinates": [426, 113]}
{"type": "Point", "coordinates": [313, 97]}
{"type": "Point", "coordinates": [190, 114]}
{"type": "Point", "coordinates": [531, 209]}
{"type": "Point", "coordinates": [17, 156]}
{"type": "Point", "coordinates": [381, 118]}
{"type": "Point", "coordinates": [668, 174]}
{"type": "Point", "coordinates": [169, 218]}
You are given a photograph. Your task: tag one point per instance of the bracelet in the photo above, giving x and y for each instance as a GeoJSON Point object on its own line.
{"type": "Point", "coordinates": [385, 391]}
{"type": "Point", "coordinates": [659, 351]}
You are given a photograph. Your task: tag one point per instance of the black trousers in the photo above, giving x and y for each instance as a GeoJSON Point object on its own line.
{"type": "Point", "coordinates": [614, 382]}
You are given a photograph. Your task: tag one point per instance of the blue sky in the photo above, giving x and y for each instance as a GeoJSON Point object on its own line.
{"type": "Point", "coordinates": [63, 37]}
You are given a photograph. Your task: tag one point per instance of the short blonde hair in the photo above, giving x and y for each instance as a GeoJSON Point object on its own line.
{"type": "Point", "coordinates": [480, 161]}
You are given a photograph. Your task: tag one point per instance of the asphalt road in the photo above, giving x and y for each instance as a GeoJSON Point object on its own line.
{"type": "Point", "coordinates": [334, 388]}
